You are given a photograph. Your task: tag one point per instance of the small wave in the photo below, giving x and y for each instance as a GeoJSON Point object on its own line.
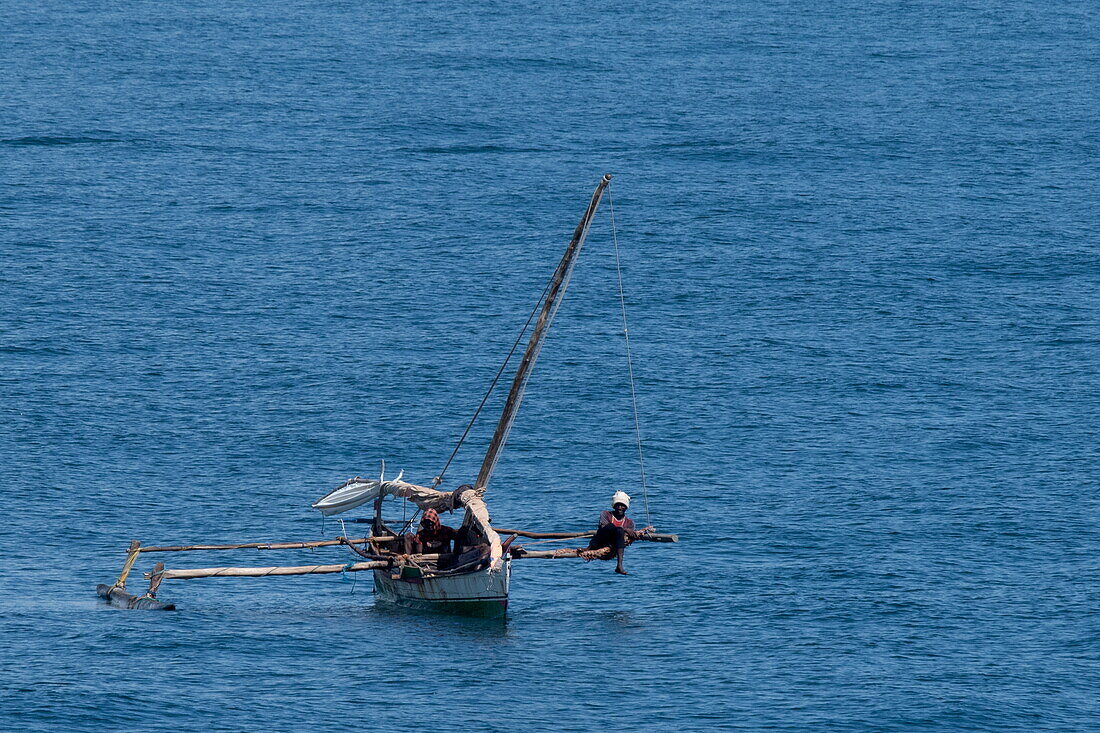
{"type": "Point", "coordinates": [465, 149]}
{"type": "Point", "coordinates": [254, 208]}
{"type": "Point", "coordinates": [57, 140]}
{"type": "Point", "coordinates": [35, 350]}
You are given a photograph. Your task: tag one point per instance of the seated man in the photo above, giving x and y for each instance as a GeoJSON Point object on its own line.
{"type": "Point", "coordinates": [433, 536]}
{"type": "Point", "coordinates": [470, 547]}
{"type": "Point", "coordinates": [616, 530]}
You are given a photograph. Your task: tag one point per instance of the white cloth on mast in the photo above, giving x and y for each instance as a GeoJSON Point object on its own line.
{"type": "Point", "coordinates": [358, 491]}
{"type": "Point", "coordinates": [352, 493]}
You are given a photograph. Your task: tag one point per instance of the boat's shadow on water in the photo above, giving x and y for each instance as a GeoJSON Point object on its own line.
{"type": "Point", "coordinates": [384, 612]}
{"type": "Point", "coordinates": [518, 618]}
{"type": "Point", "coordinates": [618, 619]}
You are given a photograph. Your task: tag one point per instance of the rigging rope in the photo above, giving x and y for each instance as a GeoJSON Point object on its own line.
{"type": "Point", "coordinates": [439, 479]}
{"type": "Point", "coordinates": [405, 526]}
{"type": "Point", "coordinates": [629, 362]}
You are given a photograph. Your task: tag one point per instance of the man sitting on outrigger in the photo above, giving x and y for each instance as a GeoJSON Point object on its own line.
{"type": "Point", "coordinates": [616, 530]}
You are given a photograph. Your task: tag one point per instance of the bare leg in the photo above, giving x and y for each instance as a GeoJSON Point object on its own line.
{"type": "Point", "coordinates": [611, 536]}
{"type": "Point", "coordinates": [620, 545]}
{"type": "Point", "coordinates": [619, 561]}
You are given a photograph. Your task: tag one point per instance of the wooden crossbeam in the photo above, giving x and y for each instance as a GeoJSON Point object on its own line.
{"type": "Point", "coordinates": [265, 572]}
{"type": "Point", "coordinates": [266, 545]}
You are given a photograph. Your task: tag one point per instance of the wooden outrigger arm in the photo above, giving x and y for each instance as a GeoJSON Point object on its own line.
{"type": "Point", "coordinates": [117, 594]}
{"type": "Point", "coordinates": [648, 537]}
{"type": "Point", "coordinates": [260, 545]}
{"type": "Point", "coordinates": [353, 567]}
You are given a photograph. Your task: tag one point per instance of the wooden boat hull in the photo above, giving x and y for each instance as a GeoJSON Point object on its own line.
{"type": "Point", "coordinates": [482, 593]}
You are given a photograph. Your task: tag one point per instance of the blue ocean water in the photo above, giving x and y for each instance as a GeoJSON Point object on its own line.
{"type": "Point", "coordinates": [250, 250]}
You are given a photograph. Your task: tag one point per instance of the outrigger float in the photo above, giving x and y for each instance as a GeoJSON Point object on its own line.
{"type": "Point", "coordinates": [473, 580]}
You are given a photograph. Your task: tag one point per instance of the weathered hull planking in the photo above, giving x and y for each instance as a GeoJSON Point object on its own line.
{"type": "Point", "coordinates": [482, 593]}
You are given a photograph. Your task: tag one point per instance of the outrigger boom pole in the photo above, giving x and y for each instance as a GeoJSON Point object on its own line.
{"type": "Point", "coordinates": [117, 594]}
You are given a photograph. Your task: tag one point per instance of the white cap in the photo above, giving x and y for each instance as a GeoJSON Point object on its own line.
{"type": "Point", "coordinates": [620, 497]}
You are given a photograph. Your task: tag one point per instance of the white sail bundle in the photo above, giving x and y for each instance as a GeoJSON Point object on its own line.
{"type": "Point", "coordinates": [354, 492]}
{"type": "Point", "coordinates": [358, 491]}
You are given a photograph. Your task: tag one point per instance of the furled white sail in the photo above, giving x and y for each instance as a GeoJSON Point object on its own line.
{"type": "Point", "coordinates": [358, 491]}
{"type": "Point", "coordinates": [352, 493]}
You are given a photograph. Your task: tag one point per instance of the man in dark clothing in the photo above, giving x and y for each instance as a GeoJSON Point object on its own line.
{"type": "Point", "coordinates": [615, 529]}
{"type": "Point", "coordinates": [433, 536]}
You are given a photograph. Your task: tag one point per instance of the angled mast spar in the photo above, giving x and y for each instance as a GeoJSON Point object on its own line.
{"type": "Point", "coordinates": [555, 291]}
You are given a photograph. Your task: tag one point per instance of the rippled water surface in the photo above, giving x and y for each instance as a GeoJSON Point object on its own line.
{"type": "Point", "coordinates": [248, 250]}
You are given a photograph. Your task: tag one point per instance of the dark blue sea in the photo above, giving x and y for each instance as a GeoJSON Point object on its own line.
{"type": "Point", "coordinates": [250, 250]}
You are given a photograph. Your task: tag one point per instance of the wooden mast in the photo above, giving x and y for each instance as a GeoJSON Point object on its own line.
{"type": "Point", "coordinates": [558, 284]}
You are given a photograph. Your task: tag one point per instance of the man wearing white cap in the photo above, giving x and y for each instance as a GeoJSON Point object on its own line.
{"type": "Point", "coordinates": [615, 529]}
